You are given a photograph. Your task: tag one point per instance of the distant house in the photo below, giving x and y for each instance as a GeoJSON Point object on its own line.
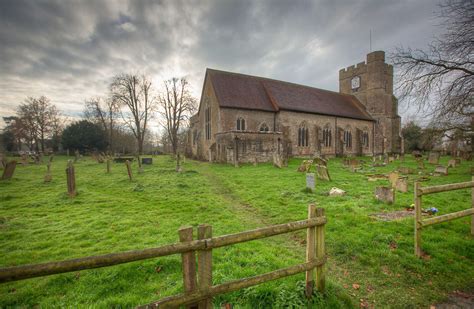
{"type": "Point", "coordinates": [244, 118]}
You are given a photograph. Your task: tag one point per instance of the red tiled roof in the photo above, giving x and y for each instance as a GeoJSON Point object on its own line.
{"type": "Point", "coordinates": [258, 93]}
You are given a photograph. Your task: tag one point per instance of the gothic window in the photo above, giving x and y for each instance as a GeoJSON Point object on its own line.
{"type": "Point", "coordinates": [327, 136]}
{"type": "Point", "coordinates": [208, 122]}
{"type": "Point", "coordinates": [240, 124]}
{"type": "Point", "coordinates": [264, 127]}
{"type": "Point", "coordinates": [348, 137]}
{"type": "Point", "coordinates": [303, 135]}
{"type": "Point", "coordinates": [365, 138]}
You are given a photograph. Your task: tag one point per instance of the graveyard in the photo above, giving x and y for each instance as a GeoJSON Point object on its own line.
{"type": "Point", "coordinates": [369, 243]}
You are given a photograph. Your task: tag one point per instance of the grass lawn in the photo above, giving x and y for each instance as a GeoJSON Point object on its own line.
{"type": "Point", "coordinates": [369, 261]}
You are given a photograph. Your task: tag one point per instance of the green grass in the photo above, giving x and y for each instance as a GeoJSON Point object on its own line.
{"type": "Point", "coordinates": [39, 223]}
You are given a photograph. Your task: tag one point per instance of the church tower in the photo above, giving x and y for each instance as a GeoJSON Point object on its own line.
{"type": "Point", "coordinates": [372, 83]}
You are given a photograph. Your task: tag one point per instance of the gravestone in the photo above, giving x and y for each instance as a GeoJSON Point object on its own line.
{"type": "Point", "coordinates": [76, 156]}
{"type": "Point", "coordinates": [421, 163]}
{"type": "Point", "coordinates": [433, 158]}
{"type": "Point", "coordinates": [24, 159]}
{"type": "Point", "coordinates": [452, 163]}
{"type": "Point", "coordinates": [140, 168]}
{"type": "Point", "coordinates": [402, 184]}
{"type": "Point", "coordinates": [147, 161]}
{"type": "Point", "coordinates": [305, 166]}
{"type": "Point", "coordinates": [310, 182]}
{"type": "Point", "coordinates": [322, 172]}
{"type": "Point", "coordinates": [441, 170]}
{"type": "Point", "coordinates": [385, 194]}
{"type": "Point", "coordinates": [48, 177]}
{"type": "Point", "coordinates": [108, 166]}
{"type": "Point", "coordinates": [417, 154]}
{"type": "Point", "coordinates": [391, 159]}
{"type": "Point", "coordinates": [129, 169]}
{"type": "Point", "coordinates": [9, 170]}
{"type": "Point", "coordinates": [320, 161]}
{"type": "Point", "coordinates": [178, 163]}
{"type": "Point", "coordinates": [406, 170]}
{"type": "Point", "coordinates": [393, 177]}
{"type": "Point", "coordinates": [71, 179]}
{"type": "Point", "coordinates": [277, 160]}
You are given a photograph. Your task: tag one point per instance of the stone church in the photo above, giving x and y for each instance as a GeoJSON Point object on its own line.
{"type": "Point", "coordinates": [245, 118]}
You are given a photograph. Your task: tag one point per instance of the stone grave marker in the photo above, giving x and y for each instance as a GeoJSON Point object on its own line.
{"type": "Point", "coordinates": [278, 160]}
{"type": "Point", "coordinates": [441, 170]}
{"type": "Point", "coordinates": [421, 163]}
{"type": "Point", "coordinates": [310, 182]}
{"type": "Point", "coordinates": [147, 161]}
{"type": "Point", "coordinates": [305, 166]}
{"type": "Point", "coordinates": [452, 163]}
{"type": "Point", "coordinates": [76, 155]}
{"type": "Point", "coordinates": [140, 168]}
{"type": "Point", "coordinates": [24, 159]}
{"type": "Point", "coordinates": [391, 159]}
{"type": "Point", "coordinates": [322, 172]}
{"type": "Point", "coordinates": [71, 179]}
{"type": "Point", "coordinates": [393, 177]}
{"type": "Point", "coordinates": [129, 169]}
{"type": "Point", "coordinates": [402, 184]}
{"type": "Point", "coordinates": [48, 177]}
{"type": "Point", "coordinates": [178, 163]}
{"type": "Point", "coordinates": [9, 170]}
{"type": "Point", "coordinates": [320, 161]}
{"type": "Point", "coordinates": [406, 170]}
{"type": "Point", "coordinates": [433, 158]}
{"type": "Point", "coordinates": [108, 165]}
{"type": "Point", "coordinates": [385, 194]}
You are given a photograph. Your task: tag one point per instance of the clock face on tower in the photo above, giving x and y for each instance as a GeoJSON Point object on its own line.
{"type": "Point", "coordinates": [355, 82]}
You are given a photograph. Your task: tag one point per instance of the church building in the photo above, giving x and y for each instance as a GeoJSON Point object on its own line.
{"type": "Point", "coordinates": [243, 118]}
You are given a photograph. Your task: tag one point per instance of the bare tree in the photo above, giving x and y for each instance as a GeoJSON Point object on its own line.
{"type": "Point", "coordinates": [176, 106]}
{"type": "Point", "coordinates": [104, 113]}
{"type": "Point", "coordinates": [440, 80]}
{"type": "Point", "coordinates": [134, 93]}
{"type": "Point", "coordinates": [37, 116]}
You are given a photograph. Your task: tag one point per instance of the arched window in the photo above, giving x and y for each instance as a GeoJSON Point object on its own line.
{"type": "Point", "coordinates": [264, 127]}
{"type": "Point", "coordinates": [240, 124]}
{"type": "Point", "coordinates": [303, 136]}
{"type": "Point", "coordinates": [208, 122]}
{"type": "Point", "coordinates": [348, 137]}
{"type": "Point", "coordinates": [365, 138]}
{"type": "Point", "coordinates": [327, 136]}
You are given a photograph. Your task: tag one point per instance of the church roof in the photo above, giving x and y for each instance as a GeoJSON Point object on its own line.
{"type": "Point", "coordinates": [235, 90]}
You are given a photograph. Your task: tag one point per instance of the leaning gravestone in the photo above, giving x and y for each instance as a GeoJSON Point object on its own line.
{"type": "Point", "coordinates": [310, 182]}
{"type": "Point", "coordinates": [406, 170]}
{"type": "Point", "coordinates": [433, 158]}
{"type": "Point", "coordinates": [322, 172]}
{"type": "Point", "coordinates": [385, 194]}
{"type": "Point", "coordinates": [277, 160]}
{"type": "Point", "coordinates": [9, 170]}
{"type": "Point", "coordinates": [402, 184]}
{"type": "Point", "coordinates": [71, 179]}
{"type": "Point", "coordinates": [441, 170]}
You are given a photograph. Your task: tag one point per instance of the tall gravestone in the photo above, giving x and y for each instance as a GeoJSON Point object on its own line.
{"type": "Point", "coordinates": [310, 182]}
{"type": "Point", "coordinates": [9, 170]}
{"type": "Point", "coordinates": [71, 179]}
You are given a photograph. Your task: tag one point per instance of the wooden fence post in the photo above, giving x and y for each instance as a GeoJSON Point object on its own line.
{"type": "Point", "coordinates": [472, 204]}
{"type": "Point", "coordinates": [108, 166]}
{"type": "Point", "coordinates": [188, 260]}
{"type": "Point", "coordinates": [205, 266]}
{"type": "Point", "coordinates": [71, 179]}
{"type": "Point", "coordinates": [417, 220]}
{"type": "Point", "coordinates": [310, 251]}
{"type": "Point", "coordinates": [320, 253]}
{"type": "Point", "coordinates": [129, 169]}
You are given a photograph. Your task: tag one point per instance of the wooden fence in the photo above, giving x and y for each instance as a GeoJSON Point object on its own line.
{"type": "Point", "coordinates": [421, 223]}
{"type": "Point", "coordinates": [198, 289]}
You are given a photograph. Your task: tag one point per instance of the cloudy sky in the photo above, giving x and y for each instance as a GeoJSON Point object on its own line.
{"type": "Point", "coordinates": [69, 50]}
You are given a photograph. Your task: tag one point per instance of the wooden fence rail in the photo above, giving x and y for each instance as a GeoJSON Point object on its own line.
{"type": "Point", "coordinates": [198, 291]}
{"type": "Point", "coordinates": [420, 223]}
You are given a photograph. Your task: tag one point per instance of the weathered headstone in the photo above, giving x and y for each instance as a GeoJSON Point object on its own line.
{"type": "Point", "coordinates": [402, 184]}
{"type": "Point", "coordinates": [433, 158]}
{"type": "Point", "coordinates": [147, 161]}
{"type": "Point", "coordinates": [277, 160]}
{"type": "Point", "coordinates": [305, 166]}
{"type": "Point", "coordinates": [391, 159]}
{"type": "Point", "coordinates": [129, 169]}
{"type": "Point", "coordinates": [385, 194]}
{"type": "Point", "coordinates": [322, 172]}
{"type": "Point", "coordinates": [421, 163]}
{"type": "Point", "coordinates": [452, 163]}
{"type": "Point", "coordinates": [24, 159]}
{"type": "Point", "coordinates": [48, 177]}
{"type": "Point", "coordinates": [140, 168]}
{"type": "Point", "coordinates": [441, 170]}
{"type": "Point", "coordinates": [108, 165]}
{"type": "Point", "coordinates": [393, 177]}
{"type": "Point", "coordinates": [178, 163]}
{"type": "Point", "coordinates": [310, 182]}
{"type": "Point", "coordinates": [71, 179]}
{"type": "Point", "coordinates": [406, 170]}
{"type": "Point", "coordinates": [9, 170]}
{"type": "Point", "coordinates": [76, 155]}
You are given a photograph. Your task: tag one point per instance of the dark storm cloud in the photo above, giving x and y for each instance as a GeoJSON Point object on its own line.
{"type": "Point", "coordinates": [69, 50]}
